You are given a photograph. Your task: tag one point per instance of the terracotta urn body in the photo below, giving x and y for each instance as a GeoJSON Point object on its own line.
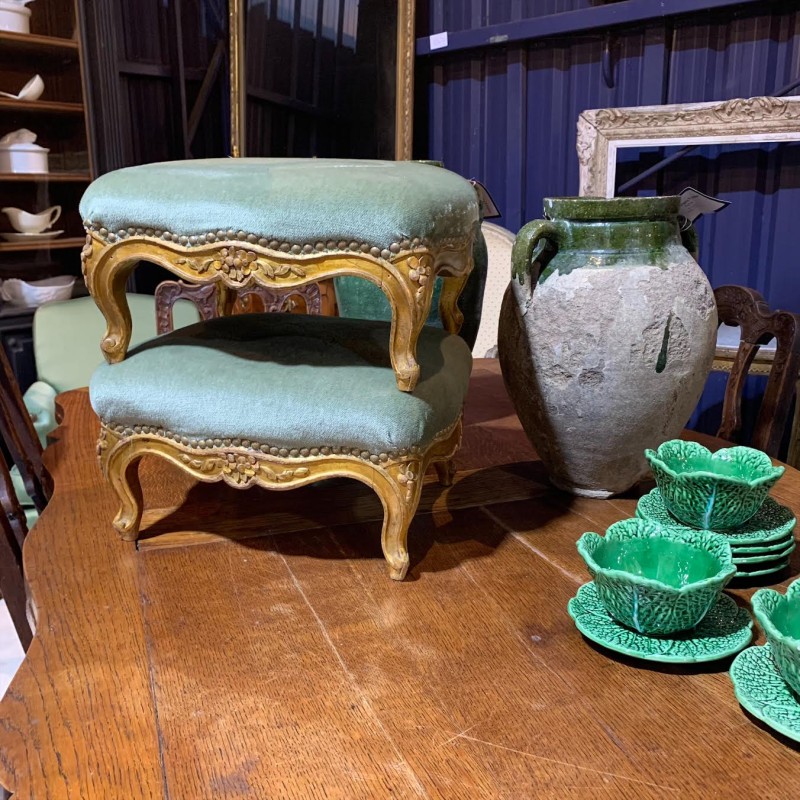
{"type": "Point", "coordinates": [607, 334]}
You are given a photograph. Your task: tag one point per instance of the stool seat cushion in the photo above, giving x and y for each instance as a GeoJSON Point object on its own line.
{"type": "Point", "coordinates": [288, 381]}
{"type": "Point", "coordinates": [333, 203]}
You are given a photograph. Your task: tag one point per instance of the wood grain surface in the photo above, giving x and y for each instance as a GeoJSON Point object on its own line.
{"type": "Point", "coordinates": [253, 647]}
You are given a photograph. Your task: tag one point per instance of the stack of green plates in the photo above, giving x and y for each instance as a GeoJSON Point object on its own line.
{"type": "Point", "coordinates": [760, 547]}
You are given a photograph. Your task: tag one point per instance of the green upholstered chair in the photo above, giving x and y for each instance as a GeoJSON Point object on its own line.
{"type": "Point", "coordinates": [65, 338]}
{"type": "Point", "coordinates": [281, 223]}
{"type": "Point", "coordinates": [304, 398]}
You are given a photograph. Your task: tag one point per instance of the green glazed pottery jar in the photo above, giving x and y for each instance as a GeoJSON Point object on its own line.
{"type": "Point", "coordinates": [655, 579]}
{"type": "Point", "coordinates": [606, 337]}
{"type": "Point", "coordinates": [716, 491]}
{"type": "Point", "coordinates": [779, 616]}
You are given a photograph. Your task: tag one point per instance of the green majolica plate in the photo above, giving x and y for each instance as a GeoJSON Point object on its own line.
{"type": "Point", "coordinates": [743, 572]}
{"type": "Point", "coordinates": [763, 559]}
{"type": "Point", "coordinates": [726, 629]}
{"type": "Point", "coordinates": [772, 522]}
{"type": "Point", "coordinates": [770, 549]}
{"type": "Point", "coordinates": [760, 689]}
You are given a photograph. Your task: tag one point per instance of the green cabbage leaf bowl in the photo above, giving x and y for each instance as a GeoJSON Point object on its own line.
{"type": "Point", "coordinates": [655, 579]}
{"type": "Point", "coordinates": [712, 491]}
{"type": "Point", "coordinates": [779, 616]}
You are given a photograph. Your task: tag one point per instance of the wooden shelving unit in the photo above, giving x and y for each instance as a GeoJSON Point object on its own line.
{"type": "Point", "coordinates": [36, 44]}
{"type": "Point", "coordinates": [40, 107]}
{"type": "Point", "coordinates": [52, 244]}
{"type": "Point", "coordinates": [45, 177]}
{"type": "Point", "coordinates": [53, 50]}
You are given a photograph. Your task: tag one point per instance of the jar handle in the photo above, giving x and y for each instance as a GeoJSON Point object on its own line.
{"type": "Point", "coordinates": [542, 231]}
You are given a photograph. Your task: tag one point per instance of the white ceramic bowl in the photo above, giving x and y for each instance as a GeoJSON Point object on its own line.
{"type": "Point", "coordinates": [36, 293]}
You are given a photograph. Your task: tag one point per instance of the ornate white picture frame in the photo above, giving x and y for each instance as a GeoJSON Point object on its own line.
{"type": "Point", "coordinates": [602, 132]}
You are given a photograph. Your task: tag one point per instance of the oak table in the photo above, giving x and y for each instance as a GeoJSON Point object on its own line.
{"type": "Point", "coordinates": [251, 646]}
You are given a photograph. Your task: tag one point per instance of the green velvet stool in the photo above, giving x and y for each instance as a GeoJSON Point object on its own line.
{"type": "Point", "coordinates": [281, 223]}
{"type": "Point", "coordinates": [303, 397]}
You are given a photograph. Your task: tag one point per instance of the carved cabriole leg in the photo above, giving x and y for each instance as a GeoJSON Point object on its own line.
{"type": "Point", "coordinates": [452, 286]}
{"type": "Point", "coordinates": [410, 309]}
{"type": "Point", "coordinates": [400, 502]}
{"type": "Point", "coordinates": [120, 465]}
{"type": "Point", "coordinates": [445, 471]}
{"type": "Point", "coordinates": [399, 488]}
{"type": "Point", "coordinates": [106, 277]}
{"type": "Point", "coordinates": [397, 481]}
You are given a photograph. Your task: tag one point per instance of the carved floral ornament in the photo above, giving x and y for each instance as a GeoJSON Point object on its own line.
{"type": "Point", "coordinates": [241, 264]}
{"type": "Point", "coordinates": [740, 111]}
{"type": "Point", "coordinates": [239, 469]}
{"type": "Point", "coordinates": [242, 463]}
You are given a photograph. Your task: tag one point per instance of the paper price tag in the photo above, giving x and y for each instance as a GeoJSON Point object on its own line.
{"type": "Point", "coordinates": [695, 203]}
{"type": "Point", "coordinates": [437, 41]}
{"type": "Point", "coordinates": [488, 209]}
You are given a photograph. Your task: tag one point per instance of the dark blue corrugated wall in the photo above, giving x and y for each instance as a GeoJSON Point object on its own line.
{"type": "Point", "coordinates": [507, 115]}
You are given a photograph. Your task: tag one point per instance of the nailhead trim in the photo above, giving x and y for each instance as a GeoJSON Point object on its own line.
{"type": "Point", "coordinates": [283, 452]}
{"type": "Point", "coordinates": [293, 248]}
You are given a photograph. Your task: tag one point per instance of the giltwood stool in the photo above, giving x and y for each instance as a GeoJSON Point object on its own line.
{"type": "Point", "coordinates": [280, 401]}
{"type": "Point", "coordinates": [281, 223]}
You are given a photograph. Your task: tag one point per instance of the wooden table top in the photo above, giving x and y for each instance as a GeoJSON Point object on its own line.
{"type": "Point", "coordinates": [252, 646]}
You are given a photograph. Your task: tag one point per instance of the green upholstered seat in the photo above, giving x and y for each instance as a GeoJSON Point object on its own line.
{"type": "Point", "coordinates": [326, 204]}
{"type": "Point", "coordinates": [286, 381]}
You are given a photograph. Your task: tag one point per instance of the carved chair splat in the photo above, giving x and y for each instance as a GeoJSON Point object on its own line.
{"type": "Point", "coordinates": [212, 303]}
{"type": "Point", "coordinates": [747, 309]}
{"type": "Point", "coordinates": [203, 297]}
{"type": "Point", "coordinates": [13, 530]}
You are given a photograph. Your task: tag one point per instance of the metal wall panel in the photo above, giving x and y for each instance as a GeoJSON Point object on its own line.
{"type": "Point", "coordinates": [507, 116]}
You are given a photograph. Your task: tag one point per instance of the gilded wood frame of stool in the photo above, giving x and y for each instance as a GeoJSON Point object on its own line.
{"type": "Point", "coordinates": [396, 478]}
{"type": "Point", "coordinates": [405, 273]}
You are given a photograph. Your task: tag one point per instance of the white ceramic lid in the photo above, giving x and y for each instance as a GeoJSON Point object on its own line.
{"type": "Point", "coordinates": [14, 7]}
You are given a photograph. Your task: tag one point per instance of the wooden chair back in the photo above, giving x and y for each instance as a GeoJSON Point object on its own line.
{"type": "Point", "coordinates": [746, 308]}
{"type": "Point", "coordinates": [167, 293]}
{"type": "Point", "coordinates": [211, 303]}
{"type": "Point", "coordinates": [21, 439]}
{"type": "Point", "coordinates": [13, 530]}
{"type": "Point", "coordinates": [22, 442]}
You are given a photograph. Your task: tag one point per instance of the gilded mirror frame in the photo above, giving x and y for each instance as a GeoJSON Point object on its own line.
{"type": "Point", "coordinates": [404, 79]}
